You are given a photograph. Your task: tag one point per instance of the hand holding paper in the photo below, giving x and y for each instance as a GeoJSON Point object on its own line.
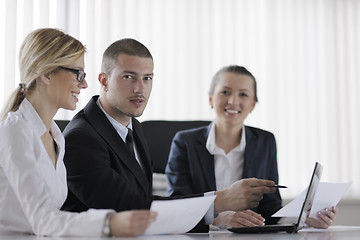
{"type": "Point", "coordinates": [326, 196]}
{"type": "Point", "coordinates": [178, 216]}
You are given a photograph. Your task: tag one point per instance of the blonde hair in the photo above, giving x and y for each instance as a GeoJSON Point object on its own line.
{"type": "Point", "coordinates": [42, 52]}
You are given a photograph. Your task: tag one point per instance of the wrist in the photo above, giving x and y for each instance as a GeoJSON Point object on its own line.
{"type": "Point", "coordinates": [106, 230]}
{"type": "Point", "coordinates": [218, 206]}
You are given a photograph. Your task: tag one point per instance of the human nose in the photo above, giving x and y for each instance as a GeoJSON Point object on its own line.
{"type": "Point", "coordinates": [139, 86]}
{"type": "Point", "coordinates": [232, 100]}
{"type": "Point", "coordinates": [83, 84]}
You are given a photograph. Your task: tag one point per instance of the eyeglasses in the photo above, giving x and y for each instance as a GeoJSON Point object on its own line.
{"type": "Point", "coordinates": [80, 74]}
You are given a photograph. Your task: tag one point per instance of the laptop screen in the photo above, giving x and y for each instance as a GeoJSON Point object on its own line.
{"type": "Point", "coordinates": [314, 183]}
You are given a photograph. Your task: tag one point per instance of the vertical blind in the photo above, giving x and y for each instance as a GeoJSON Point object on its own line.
{"type": "Point", "coordinates": [305, 55]}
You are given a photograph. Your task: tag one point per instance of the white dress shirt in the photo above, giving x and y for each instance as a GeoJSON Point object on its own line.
{"type": "Point", "coordinates": [32, 190]}
{"type": "Point", "coordinates": [228, 167]}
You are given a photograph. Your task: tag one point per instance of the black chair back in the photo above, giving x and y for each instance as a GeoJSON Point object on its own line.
{"type": "Point", "coordinates": [159, 135]}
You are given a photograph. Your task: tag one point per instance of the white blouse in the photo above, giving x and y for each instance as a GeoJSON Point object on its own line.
{"type": "Point", "coordinates": [31, 189]}
{"type": "Point", "coordinates": [228, 167]}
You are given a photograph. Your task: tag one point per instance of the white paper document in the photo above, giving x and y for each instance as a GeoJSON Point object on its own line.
{"type": "Point", "coordinates": [326, 196]}
{"type": "Point", "coordinates": [178, 216]}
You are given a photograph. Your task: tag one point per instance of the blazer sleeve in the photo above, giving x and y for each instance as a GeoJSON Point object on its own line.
{"type": "Point", "coordinates": [271, 202]}
{"type": "Point", "coordinates": [179, 178]}
{"type": "Point", "coordinates": [177, 169]}
{"type": "Point", "coordinates": [92, 177]}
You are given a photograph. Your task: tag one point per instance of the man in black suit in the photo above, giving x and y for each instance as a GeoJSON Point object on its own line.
{"type": "Point", "coordinates": [102, 171]}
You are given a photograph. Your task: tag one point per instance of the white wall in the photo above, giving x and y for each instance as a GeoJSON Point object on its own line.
{"type": "Point", "coordinates": [305, 55]}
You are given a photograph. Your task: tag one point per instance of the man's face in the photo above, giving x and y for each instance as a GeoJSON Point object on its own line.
{"type": "Point", "coordinates": [127, 90]}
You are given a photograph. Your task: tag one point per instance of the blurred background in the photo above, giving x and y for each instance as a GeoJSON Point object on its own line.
{"type": "Point", "coordinates": [305, 55]}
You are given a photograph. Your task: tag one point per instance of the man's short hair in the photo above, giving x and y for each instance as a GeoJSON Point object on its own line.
{"type": "Point", "coordinates": [127, 46]}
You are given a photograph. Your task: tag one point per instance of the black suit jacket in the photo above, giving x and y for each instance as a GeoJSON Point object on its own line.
{"type": "Point", "coordinates": [101, 172]}
{"type": "Point", "coordinates": [190, 167]}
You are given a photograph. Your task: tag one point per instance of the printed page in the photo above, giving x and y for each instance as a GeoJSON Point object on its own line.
{"type": "Point", "coordinates": [178, 216]}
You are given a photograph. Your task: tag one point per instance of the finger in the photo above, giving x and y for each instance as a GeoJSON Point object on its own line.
{"type": "Point", "coordinates": [253, 219]}
{"type": "Point", "coordinates": [330, 214]}
{"type": "Point", "coordinates": [324, 220]}
{"type": "Point", "coordinates": [263, 189]}
{"type": "Point", "coordinates": [242, 221]}
{"type": "Point", "coordinates": [311, 222]}
{"type": "Point", "coordinates": [248, 221]}
{"type": "Point", "coordinates": [255, 182]}
{"type": "Point", "coordinates": [252, 213]}
{"type": "Point", "coordinates": [334, 210]}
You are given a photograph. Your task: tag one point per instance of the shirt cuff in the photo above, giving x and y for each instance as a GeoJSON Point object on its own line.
{"type": "Point", "coordinates": [209, 215]}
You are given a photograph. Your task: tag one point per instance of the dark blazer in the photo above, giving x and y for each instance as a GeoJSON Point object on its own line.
{"type": "Point", "coordinates": [101, 172]}
{"type": "Point", "coordinates": [190, 168]}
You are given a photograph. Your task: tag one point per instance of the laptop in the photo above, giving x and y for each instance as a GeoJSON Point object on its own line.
{"type": "Point", "coordinates": [306, 207]}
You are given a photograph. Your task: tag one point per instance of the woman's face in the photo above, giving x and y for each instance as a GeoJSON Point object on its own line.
{"type": "Point", "coordinates": [233, 98]}
{"type": "Point", "coordinates": [66, 88]}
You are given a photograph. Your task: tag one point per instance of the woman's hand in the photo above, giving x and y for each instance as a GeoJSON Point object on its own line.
{"type": "Point", "coordinates": [239, 219]}
{"type": "Point", "coordinates": [325, 219]}
{"type": "Point", "coordinates": [131, 223]}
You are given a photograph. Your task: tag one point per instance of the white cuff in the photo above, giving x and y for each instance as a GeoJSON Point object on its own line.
{"type": "Point", "coordinates": [209, 215]}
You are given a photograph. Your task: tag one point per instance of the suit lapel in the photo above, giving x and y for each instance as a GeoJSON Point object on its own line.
{"type": "Point", "coordinates": [249, 151]}
{"type": "Point", "coordinates": [206, 159]}
{"type": "Point", "coordinates": [103, 127]}
{"type": "Point", "coordinates": [141, 145]}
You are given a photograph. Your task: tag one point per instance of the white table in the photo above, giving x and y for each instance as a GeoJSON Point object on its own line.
{"type": "Point", "coordinates": [334, 233]}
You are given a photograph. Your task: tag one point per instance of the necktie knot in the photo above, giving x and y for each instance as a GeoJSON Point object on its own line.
{"type": "Point", "coordinates": [129, 136]}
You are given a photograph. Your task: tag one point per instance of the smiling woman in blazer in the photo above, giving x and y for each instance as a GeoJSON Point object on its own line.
{"type": "Point", "coordinates": [211, 158]}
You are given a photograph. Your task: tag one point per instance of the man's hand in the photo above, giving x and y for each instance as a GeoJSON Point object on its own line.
{"type": "Point", "coordinates": [242, 194]}
{"type": "Point", "coordinates": [245, 218]}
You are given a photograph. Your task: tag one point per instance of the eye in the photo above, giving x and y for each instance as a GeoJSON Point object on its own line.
{"type": "Point", "coordinates": [225, 92]}
{"type": "Point", "coordinates": [243, 95]}
{"type": "Point", "coordinates": [128, 77]}
{"type": "Point", "coordinates": [147, 78]}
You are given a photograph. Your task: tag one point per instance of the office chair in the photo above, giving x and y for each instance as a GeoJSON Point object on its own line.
{"type": "Point", "coordinates": [159, 135]}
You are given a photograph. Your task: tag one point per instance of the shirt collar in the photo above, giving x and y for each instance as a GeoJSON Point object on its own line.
{"type": "Point", "coordinates": [32, 117]}
{"type": "Point", "coordinates": [37, 124]}
{"type": "Point", "coordinates": [121, 129]}
{"type": "Point", "coordinates": [211, 145]}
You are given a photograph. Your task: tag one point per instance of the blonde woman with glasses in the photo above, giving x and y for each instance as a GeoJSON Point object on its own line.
{"type": "Point", "coordinates": [32, 173]}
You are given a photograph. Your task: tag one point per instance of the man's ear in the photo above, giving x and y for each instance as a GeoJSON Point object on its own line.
{"type": "Point", "coordinates": [103, 80]}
